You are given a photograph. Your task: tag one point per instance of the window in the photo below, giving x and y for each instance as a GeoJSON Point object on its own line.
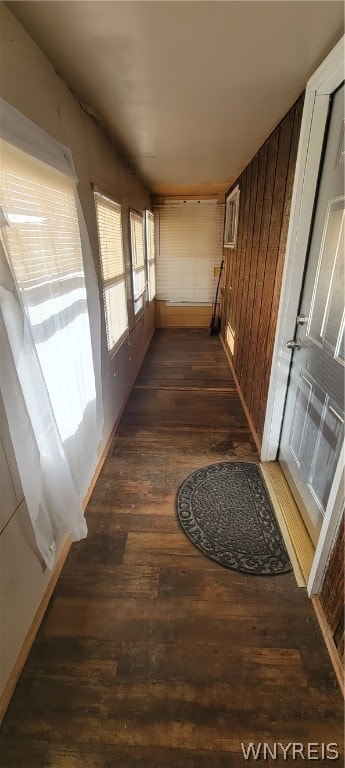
{"type": "Point", "coordinates": [138, 260]}
{"type": "Point", "coordinates": [42, 240]}
{"type": "Point", "coordinates": [50, 374]}
{"type": "Point", "coordinates": [231, 218]}
{"type": "Point", "coordinates": [150, 254]}
{"type": "Point", "coordinates": [189, 248]}
{"type": "Point", "coordinates": [109, 226]}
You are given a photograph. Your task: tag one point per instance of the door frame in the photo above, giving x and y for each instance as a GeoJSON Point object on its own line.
{"type": "Point", "coordinates": [327, 78]}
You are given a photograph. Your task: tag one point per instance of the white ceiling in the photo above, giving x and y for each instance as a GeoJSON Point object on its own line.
{"type": "Point", "coordinates": [187, 91]}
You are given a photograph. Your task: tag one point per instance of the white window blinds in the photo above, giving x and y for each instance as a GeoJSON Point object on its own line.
{"type": "Point", "coordinates": [150, 254]}
{"type": "Point", "coordinates": [138, 260]}
{"type": "Point", "coordinates": [189, 243]}
{"type": "Point", "coordinates": [47, 376]}
{"type": "Point", "coordinates": [110, 241]}
{"type": "Point", "coordinates": [43, 242]}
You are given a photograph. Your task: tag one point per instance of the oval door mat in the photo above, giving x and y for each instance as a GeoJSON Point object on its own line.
{"type": "Point", "coordinates": [225, 511]}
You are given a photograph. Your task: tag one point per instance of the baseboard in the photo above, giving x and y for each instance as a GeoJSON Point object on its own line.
{"type": "Point", "coordinates": [101, 462]}
{"type": "Point", "coordinates": [328, 638]}
{"type": "Point", "coordinates": [244, 404]}
{"type": "Point", "coordinates": [34, 627]}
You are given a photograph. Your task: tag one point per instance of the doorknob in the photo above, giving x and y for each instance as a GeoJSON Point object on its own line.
{"type": "Point", "coordinates": [294, 344]}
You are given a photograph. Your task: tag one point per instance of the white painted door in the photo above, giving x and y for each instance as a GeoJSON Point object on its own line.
{"type": "Point", "coordinates": [313, 426]}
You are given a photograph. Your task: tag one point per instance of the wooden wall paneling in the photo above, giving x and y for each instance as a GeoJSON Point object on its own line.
{"type": "Point", "coordinates": [231, 267]}
{"type": "Point", "coordinates": [281, 258]}
{"type": "Point", "coordinates": [225, 289]}
{"type": "Point", "coordinates": [267, 318]}
{"type": "Point", "coordinates": [243, 330]}
{"type": "Point", "coordinates": [340, 642]}
{"type": "Point", "coordinates": [253, 270]}
{"type": "Point", "coordinates": [332, 592]}
{"type": "Point", "coordinates": [254, 359]}
{"type": "Point", "coordinates": [241, 253]}
{"type": "Point", "coordinates": [254, 262]}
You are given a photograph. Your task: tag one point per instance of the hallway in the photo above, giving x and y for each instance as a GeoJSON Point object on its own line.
{"type": "Point", "coordinates": [150, 654]}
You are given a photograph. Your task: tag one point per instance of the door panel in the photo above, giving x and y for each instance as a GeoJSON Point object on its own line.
{"type": "Point", "coordinates": [330, 435]}
{"type": "Point", "coordinates": [301, 415]}
{"type": "Point", "coordinates": [326, 272]}
{"type": "Point", "coordinates": [313, 427]}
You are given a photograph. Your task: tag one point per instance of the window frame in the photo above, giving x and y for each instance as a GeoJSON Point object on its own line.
{"type": "Point", "coordinates": [149, 261]}
{"type": "Point", "coordinates": [134, 269]}
{"type": "Point", "coordinates": [118, 279]}
{"type": "Point", "coordinates": [232, 203]}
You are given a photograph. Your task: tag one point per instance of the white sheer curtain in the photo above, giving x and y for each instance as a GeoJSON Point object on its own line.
{"type": "Point", "coordinates": [50, 371]}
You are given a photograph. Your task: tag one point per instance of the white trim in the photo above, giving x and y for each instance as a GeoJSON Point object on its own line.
{"type": "Point", "coordinates": [231, 217]}
{"type": "Point", "coordinates": [321, 85]}
{"type": "Point", "coordinates": [18, 130]}
{"type": "Point", "coordinates": [329, 528]}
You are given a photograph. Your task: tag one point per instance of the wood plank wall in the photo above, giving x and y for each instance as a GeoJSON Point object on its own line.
{"type": "Point", "coordinates": [332, 592]}
{"type": "Point", "coordinates": [253, 270]}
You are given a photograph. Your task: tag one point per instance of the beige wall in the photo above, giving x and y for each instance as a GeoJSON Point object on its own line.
{"type": "Point", "coordinates": [29, 83]}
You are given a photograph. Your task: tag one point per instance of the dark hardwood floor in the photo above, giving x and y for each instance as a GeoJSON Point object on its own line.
{"type": "Point", "coordinates": [150, 655]}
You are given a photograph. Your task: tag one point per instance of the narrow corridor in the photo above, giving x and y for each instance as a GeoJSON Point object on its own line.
{"type": "Point", "coordinates": [150, 654]}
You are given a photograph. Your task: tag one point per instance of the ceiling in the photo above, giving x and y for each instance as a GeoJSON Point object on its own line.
{"type": "Point", "coordinates": [187, 91]}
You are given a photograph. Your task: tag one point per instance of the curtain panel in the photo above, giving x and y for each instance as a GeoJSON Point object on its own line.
{"type": "Point", "coordinates": [50, 373]}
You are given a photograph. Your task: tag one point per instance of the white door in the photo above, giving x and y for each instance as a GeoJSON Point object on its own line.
{"type": "Point", "coordinates": [313, 426]}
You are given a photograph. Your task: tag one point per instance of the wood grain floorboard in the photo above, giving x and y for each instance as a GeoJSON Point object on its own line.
{"type": "Point", "coordinates": [150, 655]}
